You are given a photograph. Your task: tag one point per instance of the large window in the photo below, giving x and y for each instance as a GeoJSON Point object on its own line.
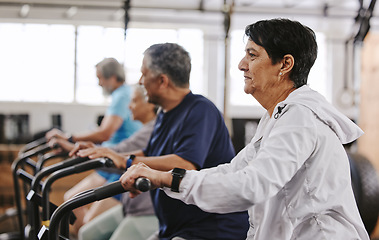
{"type": "Point", "coordinates": [39, 60]}
{"type": "Point", "coordinates": [94, 44]}
{"type": "Point", "coordinates": [317, 79]}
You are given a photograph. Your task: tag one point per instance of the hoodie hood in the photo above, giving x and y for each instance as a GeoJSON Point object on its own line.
{"type": "Point", "coordinates": [346, 130]}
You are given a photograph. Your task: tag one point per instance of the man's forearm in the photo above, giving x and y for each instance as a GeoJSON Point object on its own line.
{"type": "Point", "coordinates": [165, 163]}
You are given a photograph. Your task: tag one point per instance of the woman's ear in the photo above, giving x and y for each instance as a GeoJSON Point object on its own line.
{"type": "Point", "coordinates": [288, 62]}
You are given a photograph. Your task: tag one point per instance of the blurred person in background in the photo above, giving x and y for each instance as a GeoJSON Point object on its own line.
{"type": "Point", "coordinates": [116, 126]}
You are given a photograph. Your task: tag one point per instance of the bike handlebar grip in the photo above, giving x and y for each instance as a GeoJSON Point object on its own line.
{"type": "Point", "coordinates": [108, 163]}
{"type": "Point", "coordinates": [108, 190]}
{"type": "Point", "coordinates": [33, 144]}
{"type": "Point", "coordinates": [112, 189]}
{"type": "Point", "coordinates": [143, 184]}
{"type": "Point", "coordinates": [35, 151]}
{"type": "Point", "coordinates": [95, 163]}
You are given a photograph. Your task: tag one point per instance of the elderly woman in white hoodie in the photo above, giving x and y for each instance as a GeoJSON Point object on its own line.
{"type": "Point", "coordinates": [294, 176]}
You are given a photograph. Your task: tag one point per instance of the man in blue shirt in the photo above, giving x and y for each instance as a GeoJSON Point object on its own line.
{"type": "Point", "coordinates": [195, 132]}
{"type": "Point", "coordinates": [189, 133]}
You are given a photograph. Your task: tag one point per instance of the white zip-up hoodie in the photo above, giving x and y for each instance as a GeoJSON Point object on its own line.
{"type": "Point", "coordinates": [293, 177]}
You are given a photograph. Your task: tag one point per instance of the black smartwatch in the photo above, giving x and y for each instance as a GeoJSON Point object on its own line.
{"type": "Point", "coordinates": [177, 175]}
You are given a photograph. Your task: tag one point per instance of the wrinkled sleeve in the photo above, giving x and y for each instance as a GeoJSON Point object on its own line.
{"type": "Point", "coordinates": [238, 162]}
{"type": "Point", "coordinates": [291, 141]}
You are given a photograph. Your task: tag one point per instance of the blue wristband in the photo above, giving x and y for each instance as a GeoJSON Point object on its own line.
{"type": "Point", "coordinates": [129, 161]}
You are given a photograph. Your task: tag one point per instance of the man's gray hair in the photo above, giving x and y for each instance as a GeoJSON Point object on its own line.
{"type": "Point", "coordinates": [109, 67]}
{"type": "Point", "coordinates": [170, 59]}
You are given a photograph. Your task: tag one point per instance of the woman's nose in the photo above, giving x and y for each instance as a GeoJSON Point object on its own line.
{"type": "Point", "coordinates": [242, 65]}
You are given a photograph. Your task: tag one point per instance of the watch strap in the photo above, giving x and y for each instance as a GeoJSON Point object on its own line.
{"type": "Point", "coordinates": [71, 139]}
{"type": "Point", "coordinates": [177, 175]}
{"type": "Point", "coordinates": [130, 161]}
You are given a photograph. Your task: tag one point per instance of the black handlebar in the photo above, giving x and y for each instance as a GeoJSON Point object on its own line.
{"type": "Point", "coordinates": [48, 156]}
{"type": "Point", "coordinates": [55, 167]}
{"type": "Point", "coordinates": [33, 144]}
{"type": "Point", "coordinates": [35, 151]}
{"type": "Point", "coordinates": [142, 184]}
{"type": "Point", "coordinates": [36, 186]}
{"type": "Point", "coordinates": [22, 158]}
{"type": "Point", "coordinates": [85, 166]}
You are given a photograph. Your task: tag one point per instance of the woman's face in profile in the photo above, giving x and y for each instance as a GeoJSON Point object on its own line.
{"type": "Point", "coordinates": [260, 75]}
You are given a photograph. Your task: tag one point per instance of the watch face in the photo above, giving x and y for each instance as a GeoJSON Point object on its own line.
{"type": "Point", "coordinates": [179, 171]}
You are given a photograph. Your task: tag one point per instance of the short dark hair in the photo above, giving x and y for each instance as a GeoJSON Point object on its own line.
{"type": "Point", "coordinates": [109, 67]}
{"type": "Point", "coordinates": [283, 36]}
{"type": "Point", "coordinates": [170, 59]}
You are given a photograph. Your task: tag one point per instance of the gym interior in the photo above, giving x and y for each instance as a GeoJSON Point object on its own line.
{"type": "Point", "coordinates": [49, 49]}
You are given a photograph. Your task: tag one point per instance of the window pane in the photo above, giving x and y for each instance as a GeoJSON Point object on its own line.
{"type": "Point", "coordinates": [193, 41]}
{"type": "Point", "coordinates": [94, 44]}
{"type": "Point", "coordinates": [46, 55]}
{"type": "Point", "coordinates": [318, 74]}
{"type": "Point", "coordinates": [39, 60]}
{"type": "Point", "coordinates": [237, 51]}
{"type": "Point", "coordinates": [138, 40]}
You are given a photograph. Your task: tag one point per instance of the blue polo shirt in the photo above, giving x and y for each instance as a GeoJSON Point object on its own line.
{"type": "Point", "coordinates": [120, 107]}
{"type": "Point", "coordinates": [194, 130]}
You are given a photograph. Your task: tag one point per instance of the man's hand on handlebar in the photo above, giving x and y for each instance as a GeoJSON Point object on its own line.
{"type": "Point", "coordinates": [81, 145]}
{"type": "Point", "coordinates": [98, 152]}
{"type": "Point", "coordinates": [157, 178]}
{"type": "Point", "coordinates": [56, 133]}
